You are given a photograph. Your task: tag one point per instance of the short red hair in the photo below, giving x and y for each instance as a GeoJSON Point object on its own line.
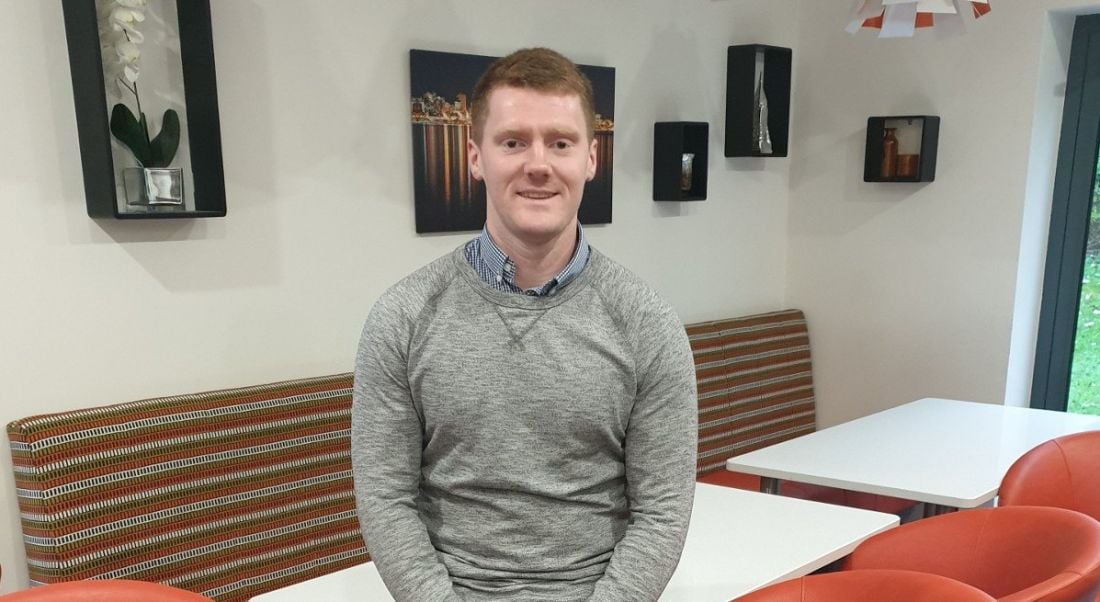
{"type": "Point", "coordinates": [538, 69]}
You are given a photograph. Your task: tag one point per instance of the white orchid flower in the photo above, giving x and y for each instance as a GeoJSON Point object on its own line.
{"type": "Point", "coordinates": [127, 52]}
{"type": "Point", "coordinates": [128, 55]}
{"type": "Point", "coordinates": [125, 17]}
{"type": "Point", "coordinates": [133, 35]}
{"type": "Point", "coordinates": [118, 21]}
{"type": "Point", "coordinates": [131, 72]}
{"type": "Point", "coordinates": [125, 20]}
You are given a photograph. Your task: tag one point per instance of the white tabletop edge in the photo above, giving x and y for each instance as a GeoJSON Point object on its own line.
{"type": "Point", "coordinates": [917, 496]}
{"type": "Point", "coordinates": [1013, 431]}
{"type": "Point", "coordinates": [363, 582]}
{"type": "Point", "coordinates": [836, 554]}
{"type": "Point", "coordinates": [775, 557]}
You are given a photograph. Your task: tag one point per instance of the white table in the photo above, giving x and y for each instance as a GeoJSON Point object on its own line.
{"type": "Point", "coordinates": [738, 541]}
{"type": "Point", "coordinates": [938, 451]}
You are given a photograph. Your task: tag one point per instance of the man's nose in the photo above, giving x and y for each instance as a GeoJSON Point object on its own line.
{"type": "Point", "coordinates": [537, 164]}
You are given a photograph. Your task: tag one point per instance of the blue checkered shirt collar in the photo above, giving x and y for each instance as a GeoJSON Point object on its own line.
{"type": "Point", "coordinates": [498, 271]}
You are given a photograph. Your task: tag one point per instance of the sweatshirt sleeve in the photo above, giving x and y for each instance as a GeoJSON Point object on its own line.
{"type": "Point", "coordinates": [660, 457]}
{"type": "Point", "coordinates": [386, 444]}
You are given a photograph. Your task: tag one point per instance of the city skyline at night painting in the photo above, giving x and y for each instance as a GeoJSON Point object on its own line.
{"type": "Point", "coordinates": [446, 197]}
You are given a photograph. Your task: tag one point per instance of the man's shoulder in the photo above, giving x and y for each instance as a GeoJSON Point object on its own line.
{"type": "Point", "coordinates": [640, 313]}
{"type": "Point", "coordinates": [408, 296]}
{"type": "Point", "coordinates": [626, 294]}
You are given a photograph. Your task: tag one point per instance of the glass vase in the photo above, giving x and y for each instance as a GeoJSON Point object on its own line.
{"type": "Point", "coordinates": [153, 185]}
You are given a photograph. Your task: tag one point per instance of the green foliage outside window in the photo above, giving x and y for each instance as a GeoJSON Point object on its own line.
{"type": "Point", "coordinates": [1084, 389]}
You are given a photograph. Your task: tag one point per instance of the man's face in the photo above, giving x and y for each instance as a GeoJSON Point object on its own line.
{"type": "Point", "coordinates": [534, 157]}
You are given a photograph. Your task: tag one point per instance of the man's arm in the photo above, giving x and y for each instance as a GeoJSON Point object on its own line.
{"type": "Point", "coordinates": [386, 444]}
{"type": "Point", "coordinates": [660, 457]}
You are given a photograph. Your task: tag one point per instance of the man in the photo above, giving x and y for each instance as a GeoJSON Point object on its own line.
{"type": "Point", "coordinates": [524, 415]}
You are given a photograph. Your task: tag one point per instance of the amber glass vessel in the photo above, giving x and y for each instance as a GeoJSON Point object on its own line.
{"type": "Point", "coordinates": [889, 154]}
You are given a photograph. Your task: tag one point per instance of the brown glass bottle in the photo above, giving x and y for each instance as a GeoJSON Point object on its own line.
{"type": "Point", "coordinates": [889, 155]}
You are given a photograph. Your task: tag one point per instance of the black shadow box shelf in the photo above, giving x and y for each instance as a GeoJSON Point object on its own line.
{"type": "Point", "coordinates": [680, 160]}
{"type": "Point", "coordinates": [742, 75]}
{"type": "Point", "coordinates": [917, 138]}
{"type": "Point", "coordinates": [196, 53]}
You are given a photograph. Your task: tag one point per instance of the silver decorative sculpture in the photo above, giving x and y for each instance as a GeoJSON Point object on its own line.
{"type": "Point", "coordinates": [761, 135]}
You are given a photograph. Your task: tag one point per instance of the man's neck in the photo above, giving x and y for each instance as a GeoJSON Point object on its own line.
{"type": "Point", "coordinates": [536, 261]}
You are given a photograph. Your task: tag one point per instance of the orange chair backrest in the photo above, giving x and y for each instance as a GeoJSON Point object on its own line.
{"type": "Point", "coordinates": [869, 586]}
{"type": "Point", "coordinates": [106, 590]}
{"type": "Point", "coordinates": [1029, 552]}
{"type": "Point", "coordinates": [1062, 472]}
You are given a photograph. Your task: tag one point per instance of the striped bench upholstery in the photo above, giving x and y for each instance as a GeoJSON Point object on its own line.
{"type": "Point", "coordinates": [756, 389]}
{"type": "Point", "coordinates": [227, 493]}
{"type": "Point", "coordinates": [755, 385]}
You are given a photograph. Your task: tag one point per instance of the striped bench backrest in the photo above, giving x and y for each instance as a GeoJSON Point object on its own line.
{"type": "Point", "coordinates": [755, 384]}
{"type": "Point", "coordinates": [228, 493]}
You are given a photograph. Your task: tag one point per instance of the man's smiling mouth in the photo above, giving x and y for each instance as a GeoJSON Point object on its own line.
{"type": "Point", "coordinates": [537, 194]}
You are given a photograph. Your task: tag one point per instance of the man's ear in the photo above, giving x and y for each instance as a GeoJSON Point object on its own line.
{"type": "Point", "coordinates": [591, 160]}
{"type": "Point", "coordinates": [473, 155]}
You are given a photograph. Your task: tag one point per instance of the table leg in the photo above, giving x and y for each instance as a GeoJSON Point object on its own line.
{"type": "Point", "coordinates": [936, 509]}
{"type": "Point", "coordinates": [769, 485]}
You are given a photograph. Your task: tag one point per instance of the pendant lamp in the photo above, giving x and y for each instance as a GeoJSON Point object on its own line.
{"type": "Point", "coordinates": [900, 18]}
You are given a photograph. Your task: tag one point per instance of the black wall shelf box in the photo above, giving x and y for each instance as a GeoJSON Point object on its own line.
{"type": "Point", "coordinates": [742, 75]}
{"type": "Point", "coordinates": [200, 118]}
{"type": "Point", "coordinates": [917, 136]}
{"type": "Point", "coordinates": [680, 160]}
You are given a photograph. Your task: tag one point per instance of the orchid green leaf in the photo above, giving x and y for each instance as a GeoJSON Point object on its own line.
{"type": "Point", "coordinates": [130, 133]}
{"type": "Point", "coordinates": [163, 147]}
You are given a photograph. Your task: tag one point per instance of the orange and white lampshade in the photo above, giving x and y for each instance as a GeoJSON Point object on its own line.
{"type": "Point", "coordinates": [900, 18]}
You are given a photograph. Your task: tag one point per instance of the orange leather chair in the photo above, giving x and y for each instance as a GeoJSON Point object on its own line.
{"type": "Point", "coordinates": [105, 590]}
{"type": "Point", "coordinates": [869, 586]}
{"type": "Point", "coordinates": [1063, 472]}
{"type": "Point", "coordinates": [1015, 553]}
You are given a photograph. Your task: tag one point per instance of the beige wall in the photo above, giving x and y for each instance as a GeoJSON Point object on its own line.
{"type": "Point", "coordinates": [314, 104]}
{"type": "Point", "coordinates": [912, 290]}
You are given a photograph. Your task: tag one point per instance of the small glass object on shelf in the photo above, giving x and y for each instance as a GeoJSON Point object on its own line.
{"type": "Point", "coordinates": [680, 160]}
{"type": "Point", "coordinates": [686, 161]}
{"type": "Point", "coordinates": [889, 154]}
{"type": "Point", "coordinates": [153, 185]}
{"type": "Point", "coordinates": [907, 165]}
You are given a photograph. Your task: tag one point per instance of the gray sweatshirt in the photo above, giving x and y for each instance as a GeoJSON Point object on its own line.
{"type": "Point", "coordinates": [510, 447]}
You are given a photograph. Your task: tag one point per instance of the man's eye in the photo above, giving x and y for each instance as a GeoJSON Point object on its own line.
{"type": "Point", "coordinates": [511, 144]}
{"type": "Point", "coordinates": [562, 145]}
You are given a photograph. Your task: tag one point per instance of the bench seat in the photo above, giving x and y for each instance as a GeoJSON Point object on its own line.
{"type": "Point", "coordinates": [755, 383]}
{"type": "Point", "coordinates": [238, 492]}
{"type": "Point", "coordinates": [228, 493]}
